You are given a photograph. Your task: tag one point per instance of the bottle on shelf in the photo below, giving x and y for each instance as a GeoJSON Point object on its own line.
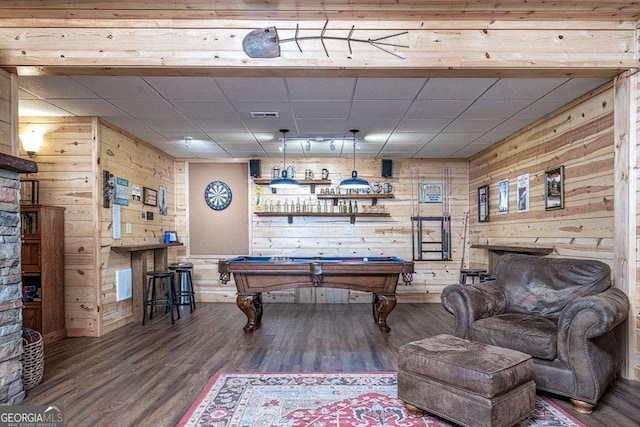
{"type": "Point", "coordinates": [350, 207]}
{"type": "Point", "coordinates": [355, 207]}
{"type": "Point", "coordinates": [318, 207]}
{"type": "Point", "coordinates": [286, 205]}
{"type": "Point", "coordinates": [298, 205]}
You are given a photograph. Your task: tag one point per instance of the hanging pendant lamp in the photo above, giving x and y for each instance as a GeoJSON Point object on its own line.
{"type": "Point", "coordinates": [354, 183]}
{"type": "Point", "coordinates": [284, 181]}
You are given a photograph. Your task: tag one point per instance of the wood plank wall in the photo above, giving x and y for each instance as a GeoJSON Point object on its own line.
{"type": "Point", "coordinates": [8, 113]}
{"type": "Point", "coordinates": [636, 305]}
{"type": "Point", "coordinates": [335, 236]}
{"type": "Point", "coordinates": [144, 166]}
{"type": "Point", "coordinates": [67, 178]}
{"type": "Point", "coordinates": [581, 139]}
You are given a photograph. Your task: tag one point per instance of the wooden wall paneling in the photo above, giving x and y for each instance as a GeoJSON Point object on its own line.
{"type": "Point", "coordinates": [66, 175]}
{"type": "Point", "coordinates": [625, 249]}
{"type": "Point", "coordinates": [143, 166]}
{"type": "Point", "coordinates": [8, 113]}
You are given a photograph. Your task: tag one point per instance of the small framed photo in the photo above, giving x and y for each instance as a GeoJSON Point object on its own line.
{"type": "Point", "coordinates": [554, 189]}
{"type": "Point", "coordinates": [170, 236]}
{"type": "Point", "coordinates": [149, 196]}
{"type": "Point", "coordinates": [523, 192]}
{"type": "Point", "coordinates": [483, 203]}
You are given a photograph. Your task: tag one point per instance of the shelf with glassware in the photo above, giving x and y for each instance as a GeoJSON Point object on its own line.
{"type": "Point", "coordinates": [363, 196]}
{"type": "Point", "coordinates": [311, 182]}
{"type": "Point", "coordinates": [317, 208]}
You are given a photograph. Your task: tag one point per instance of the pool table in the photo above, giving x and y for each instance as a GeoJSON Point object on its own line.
{"type": "Point", "coordinates": [254, 275]}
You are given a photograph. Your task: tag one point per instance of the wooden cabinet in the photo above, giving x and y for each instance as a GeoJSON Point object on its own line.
{"type": "Point", "coordinates": [42, 261]}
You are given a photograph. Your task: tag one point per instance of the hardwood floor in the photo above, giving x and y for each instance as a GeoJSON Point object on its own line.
{"type": "Point", "coordinates": [149, 375]}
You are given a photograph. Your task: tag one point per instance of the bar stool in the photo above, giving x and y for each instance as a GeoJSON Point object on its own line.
{"type": "Point", "coordinates": [186, 294]}
{"type": "Point", "coordinates": [470, 272]}
{"type": "Point", "coordinates": [151, 300]}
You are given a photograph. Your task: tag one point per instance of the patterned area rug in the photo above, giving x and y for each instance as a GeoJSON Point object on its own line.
{"type": "Point", "coordinates": [323, 399]}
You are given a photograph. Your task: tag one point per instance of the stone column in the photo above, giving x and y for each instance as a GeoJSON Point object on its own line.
{"type": "Point", "coordinates": [11, 388]}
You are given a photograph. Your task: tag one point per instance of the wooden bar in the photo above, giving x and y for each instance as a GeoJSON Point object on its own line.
{"type": "Point", "coordinates": [139, 257]}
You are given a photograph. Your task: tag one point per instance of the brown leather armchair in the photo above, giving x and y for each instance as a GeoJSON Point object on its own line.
{"type": "Point", "coordinates": [560, 311]}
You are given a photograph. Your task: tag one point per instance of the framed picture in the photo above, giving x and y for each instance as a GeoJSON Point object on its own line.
{"type": "Point", "coordinates": [170, 236]}
{"type": "Point", "coordinates": [149, 196]}
{"type": "Point", "coordinates": [430, 193]}
{"type": "Point", "coordinates": [523, 193]}
{"type": "Point", "coordinates": [554, 189]}
{"type": "Point", "coordinates": [162, 200]}
{"type": "Point", "coordinates": [503, 197]}
{"type": "Point", "coordinates": [483, 203]}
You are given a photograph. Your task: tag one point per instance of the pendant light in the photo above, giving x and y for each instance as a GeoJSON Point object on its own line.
{"type": "Point", "coordinates": [354, 183]}
{"type": "Point", "coordinates": [284, 181]}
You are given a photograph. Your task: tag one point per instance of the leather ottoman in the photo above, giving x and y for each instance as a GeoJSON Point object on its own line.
{"type": "Point", "coordinates": [469, 383]}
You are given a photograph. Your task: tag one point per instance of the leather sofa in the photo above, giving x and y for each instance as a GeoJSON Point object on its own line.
{"type": "Point", "coordinates": [560, 311]}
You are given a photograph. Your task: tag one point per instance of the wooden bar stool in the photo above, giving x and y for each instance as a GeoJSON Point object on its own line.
{"type": "Point", "coordinates": [470, 272]}
{"type": "Point", "coordinates": [185, 294]}
{"type": "Point", "coordinates": [151, 299]}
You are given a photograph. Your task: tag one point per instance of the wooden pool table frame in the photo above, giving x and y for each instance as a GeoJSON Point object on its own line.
{"type": "Point", "coordinates": [254, 275]}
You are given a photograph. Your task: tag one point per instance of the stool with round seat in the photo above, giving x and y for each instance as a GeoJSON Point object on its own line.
{"type": "Point", "coordinates": [470, 272]}
{"type": "Point", "coordinates": [151, 298]}
{"type": "Point", "coordinates": [185, 294]}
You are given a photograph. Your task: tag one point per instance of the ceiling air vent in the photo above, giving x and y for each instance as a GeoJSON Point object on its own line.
{"type": "Point", "coordinates": [258, 114]}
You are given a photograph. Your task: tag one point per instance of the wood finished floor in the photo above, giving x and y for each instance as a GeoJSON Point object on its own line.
{"type": "Point", "coordinates": [149, 375]}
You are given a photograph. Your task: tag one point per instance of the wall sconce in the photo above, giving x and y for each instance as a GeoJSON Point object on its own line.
{"type": "Point", "coordinates": [32, 141]}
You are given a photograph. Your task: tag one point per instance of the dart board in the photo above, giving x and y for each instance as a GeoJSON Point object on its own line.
{"type": "Point", "coordinates": [217, 195]}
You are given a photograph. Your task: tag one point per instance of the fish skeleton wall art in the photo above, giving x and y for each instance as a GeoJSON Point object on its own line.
{"type": "Point", "coordinates": [265, 43]}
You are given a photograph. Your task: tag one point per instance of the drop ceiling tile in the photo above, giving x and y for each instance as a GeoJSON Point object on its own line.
{"type": "Point", "coordinates": [435, 152]}
{"type": "Point", "coordinates": [418, 139]}
{"type": "Point", "coordinates": [146, 107]}
{"type": "Point", "coordinates": [494, 109]}
{"type": "Point", "coordinates": [444, 88]}
{"type": "Point", "coordinates": [469, 125]}
{"type": "Point", "coordinates": [387, 88]}
{"type": "Point", "coordinates": [224, 139]}
{"type": "Point", "coordinates": [455, 139]}
{"type": "Point", "coordinates": [118, 87]}
{"type": "Point", "coordinates": [89, 107]}
{"type": "Point", "coordinates": [517, 88]}
{"type": "Point", "coordinates": [445, 109]}
{"type": "Point", "coordinates": [23, 94]}
{"type": "Point", "coordinates": [186, 88]}
{"type": "Point", "coordinates": [204, 109]}
{"type": "Point", "coordinates": [426, 125]}
{"type": "Point", "coordinates": [260, 125]}
{"type": "Point", "coordinates": [369, 127]}
{"type": "Point", "coordinates": [254, 88]}
{"type": "Point", "coordinates": [540, 109]}
{"type": "Point", "coordinates": [320, 88]}
{"type": "Point", "coordinates": [322, 127]}
{"type": "Point", "coordinates": [183, 137]}
{"type": "Point", "coordinates": [37, 107]}
{"type": "Point", "coordinates": [169, 124]}
{"type": "Point", "coordinates": [388, 109]}
{"type": "Point", "coordinates": [54, 87]}
{"type": "Point", "coordinates": [575, 88]}
{"type": "Point", "coordinates": [209, 124]}
{"type": "Point", "coordinates": [321, 109]}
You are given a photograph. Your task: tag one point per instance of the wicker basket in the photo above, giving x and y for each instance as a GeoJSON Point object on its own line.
{"type": "Point", "coordinates": [32, 362]}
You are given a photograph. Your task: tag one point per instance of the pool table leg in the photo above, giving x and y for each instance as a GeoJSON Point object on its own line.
{"type": "Point", "coordinates": [383, 304]}
{"type": "Point", "coordinates": [251, 305]}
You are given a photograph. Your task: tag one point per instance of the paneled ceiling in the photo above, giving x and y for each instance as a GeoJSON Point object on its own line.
{"type": "Point", "coordinates": [207, 117]}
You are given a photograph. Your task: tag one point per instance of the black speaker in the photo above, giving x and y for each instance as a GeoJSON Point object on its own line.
{"type": "Point", "coordinates": [387, 168]}
{"type": "Point", "coordinates": [254, 167]}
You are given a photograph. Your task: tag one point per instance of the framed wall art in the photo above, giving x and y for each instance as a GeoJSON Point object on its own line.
{"type": "Point", "coordinates": [503, 197]}
{"type": "Point", "coordinates": [483, 203]}
{"type": "Point", "coordinates": [523, 193]}
{"type": "Point", "coordinates": [554, 189]}
{"type": "Point", "coordinates": [149, 196]}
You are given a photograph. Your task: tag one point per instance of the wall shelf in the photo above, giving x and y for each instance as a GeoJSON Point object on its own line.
{"type": "Point", "coordinates": [311, 182]}
{"type": "Point", "coordinates": [352, 216]}
{"type": "Point", "coordinates": [373, 196]}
